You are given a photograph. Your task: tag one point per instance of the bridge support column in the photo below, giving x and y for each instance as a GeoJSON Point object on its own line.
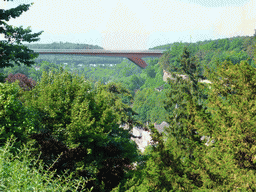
{"type": "Point", "coordinates": [137, 60]}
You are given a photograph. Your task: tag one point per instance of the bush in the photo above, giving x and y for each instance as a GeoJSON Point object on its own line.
{"type": "Point", "coordinates": [2, 77]}
{"type": "Point", "coordinates": [15, 119]}
{"type": "Point", "coordinates": [24, 82]}
{"type": "Point", "coordinates": [18, 173]}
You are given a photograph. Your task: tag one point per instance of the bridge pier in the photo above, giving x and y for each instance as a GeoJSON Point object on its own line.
{"type": "Point", "coordinates": [138, 61]}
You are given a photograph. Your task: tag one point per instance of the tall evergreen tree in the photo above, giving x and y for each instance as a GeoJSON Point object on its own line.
{"type": "Point", "coordinates": [183, 138]}
{"type": "Point", "coordinates": [170, 164]}
{"type": "Point", "coordinates": [230, 162]}
{"type": "Point", "coordinates": [224, 111]}
{"type": "Point", "coordinates": [183, 89]}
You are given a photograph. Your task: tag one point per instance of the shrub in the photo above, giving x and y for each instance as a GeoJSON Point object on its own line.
{"type": "Point", "coordinates": [24, 82]}
{"type": "Point", "coordinates": [15, 119]}
{"type": "Point", "coordinates": [2, 77]}
{"type": "Point", "coordinates": [18, 173]}
{"type": "Point", "coordinates": [52, 149]}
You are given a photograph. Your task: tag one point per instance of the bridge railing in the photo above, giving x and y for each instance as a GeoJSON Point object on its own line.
{"type": "Point", "coordinates": [97, 51]}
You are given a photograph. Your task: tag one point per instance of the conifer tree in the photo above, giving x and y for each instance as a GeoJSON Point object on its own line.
{"type": "Point", "coordinates": [230, 162]}
{"type": "Point", "coordinates": [184, 88]}
{"type": "Point", "coordinates": [183, 138]}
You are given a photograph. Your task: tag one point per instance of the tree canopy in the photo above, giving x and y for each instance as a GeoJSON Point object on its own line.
{"type": "Point", "coordinates": [12, 50]}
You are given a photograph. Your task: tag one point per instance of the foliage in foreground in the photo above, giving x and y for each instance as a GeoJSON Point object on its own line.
{"type": "Point", "coordinates": [80, 122]}
{"type": "Point", "coordinates": [18, 173]}
{"type": "Point", "coordinates": [15, 118]}
{"type": "Point", "coordinates": [11, 50]}
{"type": "Point", "coordinates": [232, 126]}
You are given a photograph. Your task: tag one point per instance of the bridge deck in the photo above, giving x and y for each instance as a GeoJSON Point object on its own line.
{"type": "Point", "coordinates": [133, 55]}
{"type": "Point", "coordinates": [96, 51]}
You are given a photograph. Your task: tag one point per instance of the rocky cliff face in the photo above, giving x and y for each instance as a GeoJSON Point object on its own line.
{"type": "Point", "coordinates": [167, 75]}
{"type": "Point", "coordinates": [145, 138]}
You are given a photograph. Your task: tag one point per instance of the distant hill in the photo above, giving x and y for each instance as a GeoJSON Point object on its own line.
{"type": "Point", "coordinates": [229, 43]}
{"type": "Point", "coordinates": [209, 52]}
{"type": "Point", "coordinates": [62, 45]}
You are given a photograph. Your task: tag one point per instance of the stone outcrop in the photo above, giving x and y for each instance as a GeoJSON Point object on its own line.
{"type": "Point", "coordinates": [142, 137]}
{"type": "Point", "coordinates": [145, 139]}
{"type": "Point", "coordinates": [167, 75]}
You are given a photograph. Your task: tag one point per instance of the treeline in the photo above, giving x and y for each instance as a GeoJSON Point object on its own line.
{"type": "Point", "coordinates": [209, 52]}
{"type": "Point", "coordinates": [148, 101]}
{"type": "Point", "coordinates": [78, 59]}
{"type": "Point", "coordinates": [61, 45]}
{"type": "Point", "coordinates": [72, 59]}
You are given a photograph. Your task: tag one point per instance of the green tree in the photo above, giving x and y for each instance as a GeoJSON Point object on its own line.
{"type": "Point", "coordinates": [81, 114]}
{"type": "Point", "coordinates": [225, 112]}
{"type": "Point", "coordinates": [150, 71]}
{"type": "Point", "coordinates": [165, 60]}
{"type": "Point", "coordinates": [228, 164]}
{"type": "Point", "coordinates": [248, 46]}
{"type": "Point", "coordinates": [12, 50]}
{"type": "Point", "coordinates": [181, 133]}
{"type": "Point", "coordinates": [149, 105]}
{"type": "Point", "coordinates": [15, 118]}
{"type": "Point", "coordinates": [236, 43]}
{"type": "Point", "coordinates": [133, 82]}
{"type": "Point", "coordinates": [170, 164]}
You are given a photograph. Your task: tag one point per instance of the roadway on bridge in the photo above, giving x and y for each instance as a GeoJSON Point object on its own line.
{"type": "Point", "coordinates": [133, 55]}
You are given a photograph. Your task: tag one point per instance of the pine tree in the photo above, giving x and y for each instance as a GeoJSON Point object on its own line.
{"type": "Point", "coordinates": [183, 138]}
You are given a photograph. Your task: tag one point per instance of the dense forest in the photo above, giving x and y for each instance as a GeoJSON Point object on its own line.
{"type": "Point", "coordinates": [62, 45]}
{"type": "Point", "coordinates": [60, 125]}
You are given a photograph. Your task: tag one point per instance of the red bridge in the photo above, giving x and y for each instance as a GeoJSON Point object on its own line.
{"type": "Point", "coordinates": [133, 55]}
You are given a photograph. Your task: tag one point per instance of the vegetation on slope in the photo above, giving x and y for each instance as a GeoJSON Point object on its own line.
{"type": "Point", "coordinates": [71, 121]}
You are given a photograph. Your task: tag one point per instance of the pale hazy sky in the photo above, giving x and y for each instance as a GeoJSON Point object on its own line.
{"type": "Point", "coordinates": [135, 24]}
